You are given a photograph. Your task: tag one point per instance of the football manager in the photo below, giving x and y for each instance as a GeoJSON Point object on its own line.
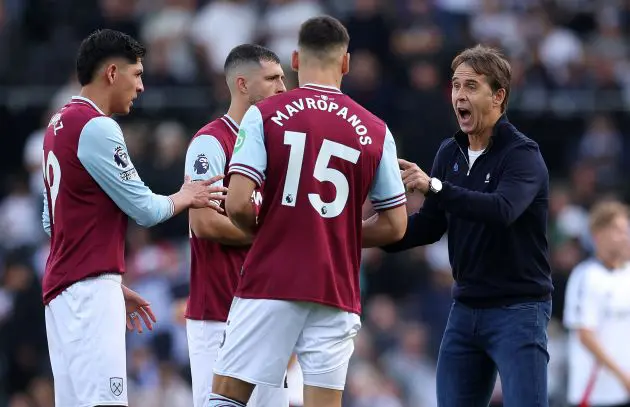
{"type": "Point", "coordinates": [488, 190]}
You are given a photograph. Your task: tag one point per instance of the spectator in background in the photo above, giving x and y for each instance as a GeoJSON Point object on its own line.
{"type": "Point", "coordinates": [281, 24]}
{"type": "Point", "coordinates": [18, 215]}
{"type": "Point", "coordinates": [220, 26]}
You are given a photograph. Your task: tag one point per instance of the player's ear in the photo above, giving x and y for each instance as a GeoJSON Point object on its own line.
{"type": "Point", "coordinates": [345, 64]}
{"type": "Point", "coordinates": [241, 84]}
{"type": "Point", "coordinates": [295, 61]}
{"type": "Point", "coordinates": [111, 71]}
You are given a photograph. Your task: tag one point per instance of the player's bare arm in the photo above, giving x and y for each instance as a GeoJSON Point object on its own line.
{"type": "Point", "coordinates": [388, 199]}
{"type": "Point", "coordinates": [238, 203]}
{"type": "Point", "coordinates": [589, 339]}
{"type": "Point", "coordinates": [208, 224]}
{"type": "Point", "coordinates": [384, 227]}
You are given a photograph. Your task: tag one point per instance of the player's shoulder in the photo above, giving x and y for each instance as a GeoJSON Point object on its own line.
{"type": "Point", "coordinates": [80, 110]}
{"type": "Point", "coordinates": [74, 120]}
{"type": "Point", "coordinates": [590, 270]}
{"type": "Point", "coordinates": [365, 114]}
{"type": "Point", "coordinates": [221, 128]}
{"type": "Point", "coordinates": [272, 103]}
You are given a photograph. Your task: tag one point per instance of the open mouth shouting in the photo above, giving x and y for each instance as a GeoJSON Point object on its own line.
{"type": "Point", "coordinates": [464, 116]}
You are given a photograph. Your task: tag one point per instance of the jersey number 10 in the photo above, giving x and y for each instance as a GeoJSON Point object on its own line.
{"type": "Point", "coordinates": [322, 173]}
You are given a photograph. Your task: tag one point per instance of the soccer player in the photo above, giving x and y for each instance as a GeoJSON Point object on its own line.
{"type": "Point", "coordinates": [597, 314]}
{"type": "Point", "coordinates": [92, 188]}
{"type": "Point", "coordinates": [218, 248]}
{"type": "Point", "coordinates": [319, 155]}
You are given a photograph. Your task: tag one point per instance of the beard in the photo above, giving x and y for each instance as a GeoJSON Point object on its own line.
{"type": "Point", "coordinates": [253, 99]}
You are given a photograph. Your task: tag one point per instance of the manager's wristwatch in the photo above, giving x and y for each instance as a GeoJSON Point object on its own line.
{"type": "Point", "coordinates": [435, 185]}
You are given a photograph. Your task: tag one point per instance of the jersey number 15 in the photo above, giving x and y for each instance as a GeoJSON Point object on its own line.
{"type": "Point", "coordinates": [322, 173]}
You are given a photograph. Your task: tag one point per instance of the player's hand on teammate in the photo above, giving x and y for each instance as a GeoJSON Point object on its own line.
{"type": "Point", "coordinates": [413, 177]}
{"type": "Point", "coordinates": [202, 194]}
{"type": "Point", "coordinates": [137, 308]}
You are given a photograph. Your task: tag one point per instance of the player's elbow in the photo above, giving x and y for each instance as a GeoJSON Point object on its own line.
{"type": "Point", "coordinates": [397, 224]}
{"type": "Point", "coordinates": [145, 218]}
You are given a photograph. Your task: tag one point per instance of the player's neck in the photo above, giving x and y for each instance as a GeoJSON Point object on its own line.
{"type": "Point", "coordinates": [97, 97]}
{"type": "Point", "coordinates": [237, 110]}
{"type": "Point", "coordinates": [611, 263]}
{"type": "Point", "coordinates": [321, 77]}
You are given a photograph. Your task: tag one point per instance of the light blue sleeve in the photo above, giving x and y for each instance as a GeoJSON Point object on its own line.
{"type": "Point", "coordinates": [103, 153]}
{"type": "Point", "coordinates": [388, 190]}
{"type": "Point", "coordinates": [46, 215]}
{"type": "Point", "coordinates": [250, 156]}
{"type": "Point", "coordinates": [205, 158]}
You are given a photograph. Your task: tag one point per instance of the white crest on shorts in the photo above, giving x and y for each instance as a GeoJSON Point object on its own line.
{"type": "Point", "coordinates": [116, 385]}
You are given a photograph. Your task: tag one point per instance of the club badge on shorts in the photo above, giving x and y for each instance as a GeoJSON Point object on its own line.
{"type": "Point", "coordinates": [116, 385]}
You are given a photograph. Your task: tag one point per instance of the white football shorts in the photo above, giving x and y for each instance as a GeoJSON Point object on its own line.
{"type": "Point", "coordinates": [204, 339]}
{"type": "Point", "coordinates": [85, 325]}
{"type": "Point", "coordinates": [262, 334]}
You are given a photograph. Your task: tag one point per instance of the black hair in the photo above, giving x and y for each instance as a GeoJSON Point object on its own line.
{"type": "Point", "coordinates": [322, 33]}
{"type": "Point", "coordinates": [248, 53]}
{"type": "Point", "coordinates": [102, 45]}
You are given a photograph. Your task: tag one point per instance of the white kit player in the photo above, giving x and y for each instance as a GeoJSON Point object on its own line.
{"type": "Point", "coordinates": [597, 314]}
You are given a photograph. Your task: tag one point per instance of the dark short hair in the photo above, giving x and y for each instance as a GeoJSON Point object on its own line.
{"type": "Point", "coordinates": [248, 53]}
{"type": "Point", "coordinates": [320, 34]}
{"type": "Point", "coordinates": [102, 45]}
{"type": "Point", "coordinates": [491, 63]}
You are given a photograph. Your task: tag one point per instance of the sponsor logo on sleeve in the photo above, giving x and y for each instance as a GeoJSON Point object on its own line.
{"type": "Point", "coordinates": [242, 134]}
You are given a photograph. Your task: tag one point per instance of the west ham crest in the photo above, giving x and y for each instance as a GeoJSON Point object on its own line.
{"type": "Point", "coordinates": [116, 385]}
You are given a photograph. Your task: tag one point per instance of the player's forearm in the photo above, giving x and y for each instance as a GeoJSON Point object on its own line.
{"type": "Point", "coordinates": [180, 201]}
{"type": "Point", "coordinates": [590, 341]}
{"type": "Point", "coordinates": [381, 229]}
{"type": "Point", "coordinates": [242, 214]}
{"type": "Point", "coordinates": [217, 228]}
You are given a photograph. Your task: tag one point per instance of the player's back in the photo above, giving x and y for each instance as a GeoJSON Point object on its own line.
{"type": "Point", "coordinates": [87, 228]}
{"type": "Point", "coordinates": [215, 267]}
{"type": "Point", "coordinates": [323, 152]}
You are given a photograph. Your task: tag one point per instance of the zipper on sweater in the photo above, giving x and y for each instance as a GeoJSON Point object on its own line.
{"type": "Point", "coordinates": [466, 158]}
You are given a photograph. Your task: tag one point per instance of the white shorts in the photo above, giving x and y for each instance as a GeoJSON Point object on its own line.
{"type": "Point", "coordinates": [85, 325]}
{"type": "Point", "coordinates": [204, 339]}
{"type": "Point", "coordinates": [262, 334]}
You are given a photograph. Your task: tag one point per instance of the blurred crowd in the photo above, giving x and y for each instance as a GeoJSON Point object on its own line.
{"type": "Point", "coordinates": [571, 90]}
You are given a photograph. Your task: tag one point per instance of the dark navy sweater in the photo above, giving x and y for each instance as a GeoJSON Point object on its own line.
{"type": "Point", "coordinates": [495, 213]}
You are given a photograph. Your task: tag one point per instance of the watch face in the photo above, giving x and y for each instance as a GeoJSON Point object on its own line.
{"type": "Point", "coordinates": [436, 184]}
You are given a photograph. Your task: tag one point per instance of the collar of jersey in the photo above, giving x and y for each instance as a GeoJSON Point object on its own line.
{"type": "Point", "coordinates": [324, 88]}
{"type": "Point", "coordinates": [88, 101]}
